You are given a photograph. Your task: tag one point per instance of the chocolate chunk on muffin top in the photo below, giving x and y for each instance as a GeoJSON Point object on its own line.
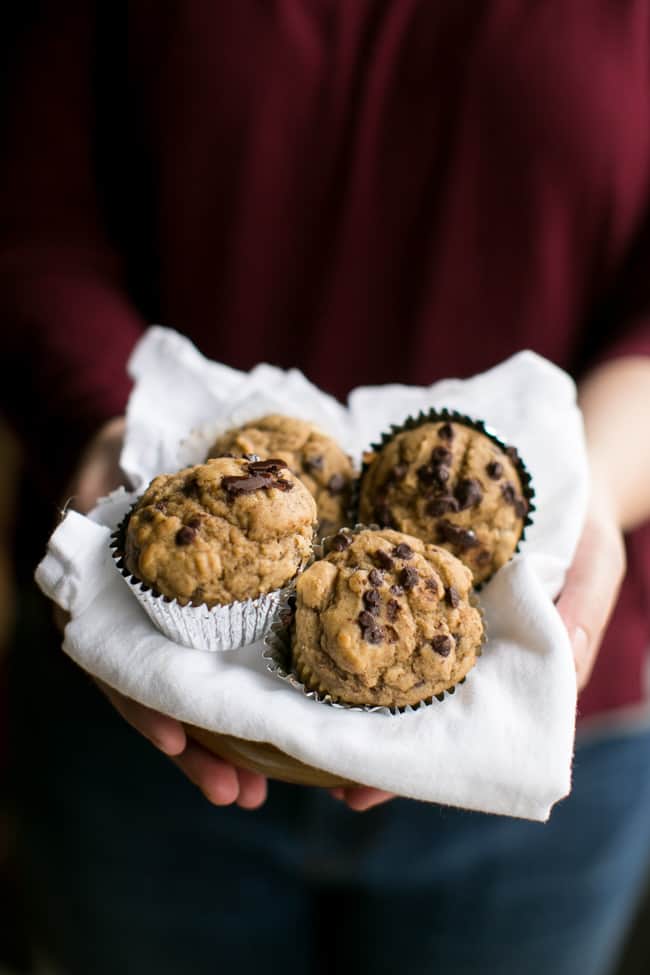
{"type": "Point", "coordinates": [227, 530]}
{"type": "Point", "coordinates": [384, 619]}
{"type": "Point", "coordinates": [449, 484]}
{"type": "Point", "coordinates": [310, 454]}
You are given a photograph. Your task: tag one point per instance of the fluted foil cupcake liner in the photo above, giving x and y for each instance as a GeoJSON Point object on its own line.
{"type": "Point", "coordinates": [453, 416]}
{"type": "Point", "coordinates": [277, 651]}
{"type": "Point", "coordinates": [217, 628]}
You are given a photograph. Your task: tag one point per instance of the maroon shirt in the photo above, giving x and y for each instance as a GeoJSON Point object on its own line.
{"type": "Point", "coordinates": [371, 191]}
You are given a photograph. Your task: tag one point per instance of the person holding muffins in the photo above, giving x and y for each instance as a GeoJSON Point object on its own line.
{"type": "Point", "coordinates": [362, 191]}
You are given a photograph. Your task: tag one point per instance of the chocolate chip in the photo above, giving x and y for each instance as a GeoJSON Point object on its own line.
{"type": "Point", "coordinates": [409, 577]}
{"type": "Point", "coordinates": [374, 634]}
{"type": "Point", "coordinates": [372, 601]}
{"type": "Point", "coordinates": [185, 535]}
{"type": "Point", "coordinates": [395, 474]}
{"type": "Point", "coordinates": [431, 584]}
{"type": "Point", "coordinates": [393, 609]}
{"type": "Point", "coordinates": [365, 618]}
{"type": "Point", "coordinates": [397, 590]}
{"type": "Point", "coordinates": [469, 493]}
{"type": "Point", "coordinates": [482, 557]}
{"type": "Point", "coordinates": [271, 466]}
{"type": "Point", "coordinates": [383, 558]}
{"type": "Point", "coordinates": [384, 516]}
{"type": "Point", "coordinates": [403, 551]}
{"type": "Point", "coordinates": [451, 597]}
{"type": "Point", "coordinates": [513, 454]}
{"type": "Point", "coordinates": [191, 488]}
{"type": "Point", "coordinates": [194, 522]}
{"type": "Point", "coordinates": [441, 455]}
{"type": "Point", "coordinates": [340, 542]}
{"type": "Point", "coordinates": [521, 507]}
{"type": "Point", "coordinates": [282, 485]}
{"type": "Point", "coordinates": [494, 470]}
{"type": "Point", "coordinates": [391, 634]}
{"type": "Point", "coordinates": [375, 578]}
{"type": "Point", "coordinates": [442, 644]}
{"type": "Point", "coordinates": [313, 463]}
{"type": "Point", "coordinates": [510, 496]}
{"type": "Point", "coordinates": [446, 431]}
{"type": "Point", "coordinates": [442, 505]}
{"type": "Point", "coordinates": [336, 484]}
{"type": "Point", "coordinates": [245, 484]}
{"type": "Point", "coordinates": [433, 474]}
{"type": "Point", "coordinates": [463, 538]}
{"type": "Point", "coordinates": [509, 492]}
{"type": "Point", "coordinates": [426, 474]}
{"type": "Point", "coordinates": [370, 631]}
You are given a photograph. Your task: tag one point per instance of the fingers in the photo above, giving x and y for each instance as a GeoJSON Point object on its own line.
{"type": "Point", "coordinates": [361, 798]}
{"type": "Point", "coordinates": [167, 734]}
{"type": "Point", "coordinates": [252, 789]}
{"type": "Point", "coordinates": [217, 780]}
{"type": "Point", "coordinates": [98, 472]}
{"type": "Point", "coordinates": [590, 593]}
{"type": "Point", "coordinates": [221, 783]}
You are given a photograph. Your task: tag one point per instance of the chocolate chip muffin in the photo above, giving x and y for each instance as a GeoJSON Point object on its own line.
{"type": "Point", "coordinates": [384, 619]}
{"type": "Point", "coordinates": [324, 469]}
{"type": "Point", "coordinates": [449, 484]}
{"type": "Point", "coordinates": [222, 531]}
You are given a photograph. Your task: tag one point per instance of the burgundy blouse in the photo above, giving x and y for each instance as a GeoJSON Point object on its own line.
{"type": "Point", "coordinates": [369, 190]}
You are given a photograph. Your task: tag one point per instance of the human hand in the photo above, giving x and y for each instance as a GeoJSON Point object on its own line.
{"type": "Point", "coordinates": [222, 784]}
{"type": "Point", "coordinates": [592, 584]}
{"type": "Point", "coordinates": [360, 798]}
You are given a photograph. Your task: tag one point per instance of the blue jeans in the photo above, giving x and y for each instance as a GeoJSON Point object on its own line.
{"type": "Point", "coordinates": [129, 871]}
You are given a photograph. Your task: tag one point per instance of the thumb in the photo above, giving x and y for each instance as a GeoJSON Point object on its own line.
{"type": "Point", "coordinates": [590, 592]}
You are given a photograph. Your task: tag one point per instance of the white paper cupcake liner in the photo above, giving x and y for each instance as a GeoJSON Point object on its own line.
{"type": "Point", "coordinates": [216, 628]}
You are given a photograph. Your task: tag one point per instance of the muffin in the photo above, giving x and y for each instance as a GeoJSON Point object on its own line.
{"type": "Point", "coordinates": [324, 469]}
{"type": "Point", "coordinates": [223, 531]}
{"type": "Point", "coordinates": [452, 485]}
{"type": "Point", "coordinates": [384, 619]}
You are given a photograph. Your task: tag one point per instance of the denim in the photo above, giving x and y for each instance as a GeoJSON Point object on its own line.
{"type": "Point", "coordinates": [129, 871]}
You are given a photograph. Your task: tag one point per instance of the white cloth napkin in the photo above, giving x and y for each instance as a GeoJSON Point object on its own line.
{"type": "Point", "coordinates": [503, 743]}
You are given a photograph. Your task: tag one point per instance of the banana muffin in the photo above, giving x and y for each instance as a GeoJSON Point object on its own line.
{"type": "Point", "coordinates": [311, 455]}
{"type": "Point", "coordinates": [219, 532]}
{"type": "Point", "coordinates": [449, 484]}
{"type": "Point", "coordinates": [384, 619]}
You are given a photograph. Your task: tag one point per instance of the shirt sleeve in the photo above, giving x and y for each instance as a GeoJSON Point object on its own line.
{"type": "Point", "coordinates": [68, 325]}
